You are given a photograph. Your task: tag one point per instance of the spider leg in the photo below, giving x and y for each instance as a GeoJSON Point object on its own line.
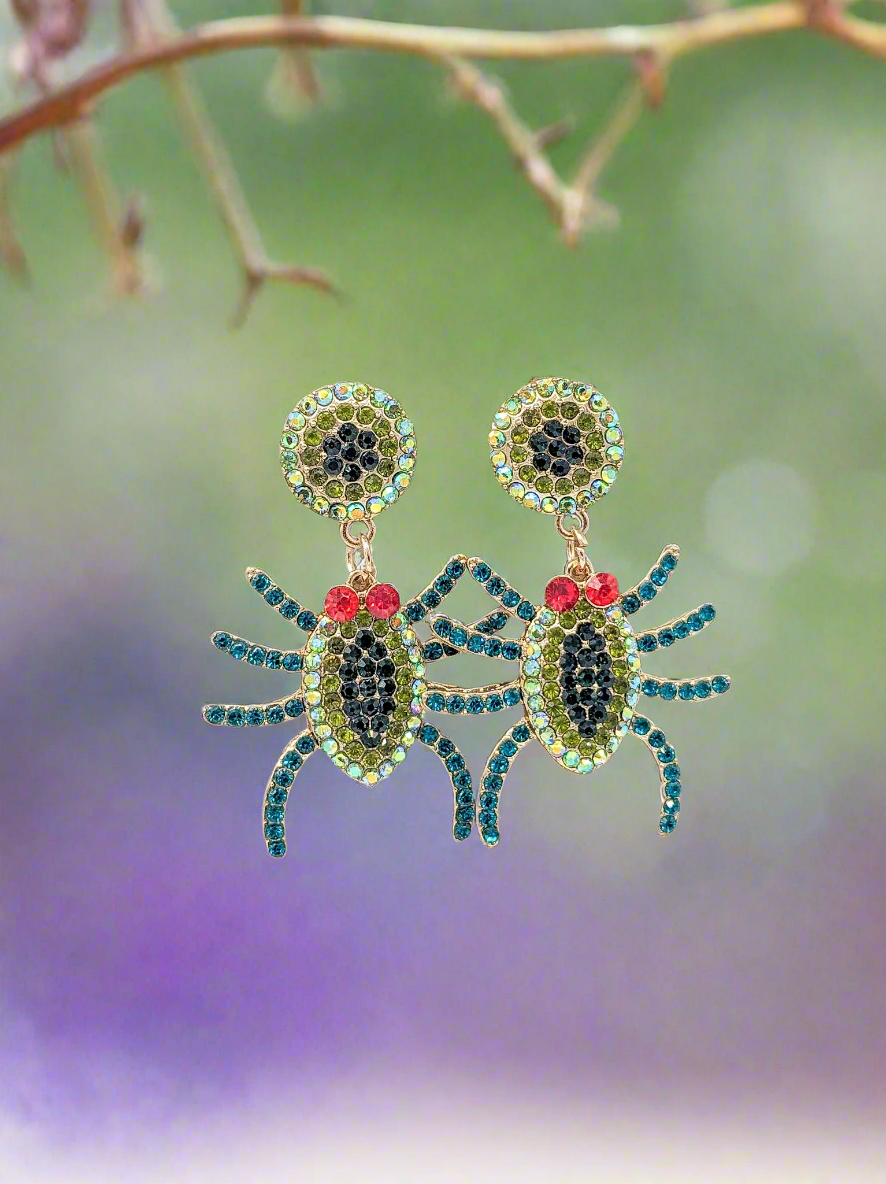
{"type": "Point", "coordinates": [238, 715]}
{"type": "Point", "coordinates": [291, 760]}
{"type": "Point", "coordinates": [469, 639]}
{"type": "Point", "coordinates": [462, 788]}
{"type": "Point", "coordinates": [257, 655]}
{"type": "Point", "coordinates": [496, 770]}
{"type": "Point", "coordinates": [509, 598]}
{"type": "Point", "coordinates": [439, 696]}
{"type": "Point", "coordinates": [285, 605]}
{"type": "Point", "coordinates": [492, 623]}
{"type": "Point", "coordinates": [635, 598]}
{"type": "Point", "coordinates": [687, 690]}
{"type": "Point", "coordinates": [417, 608]}
{"type": "Point", "coordinates": [668, 770]}
{"type": "Point", "coordinates": [676, 629]}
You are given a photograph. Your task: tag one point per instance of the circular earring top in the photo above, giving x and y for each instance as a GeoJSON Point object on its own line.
{"type": "Point", "coordinates": [347, 450]}
{"type": "Point", "coordinates": [556, 445]}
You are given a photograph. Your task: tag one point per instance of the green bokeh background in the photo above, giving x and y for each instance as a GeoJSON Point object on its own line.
{"type": "Point", "coordinates": [734, 316]}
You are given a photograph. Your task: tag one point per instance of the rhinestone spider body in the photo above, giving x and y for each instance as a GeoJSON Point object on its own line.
{"type": "Point", "coordinates": [580, 678]}
{"type": "Point", "coordinates": [363, 686]}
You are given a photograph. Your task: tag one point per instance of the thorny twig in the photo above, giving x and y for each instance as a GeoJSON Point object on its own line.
{"type": "Point", "coordinates": [574, 205]}
{"type": "Point", "coordinates": [579, 209]}
{"type": "Point", "coordinates": [107, 210]}
{"type": "Point", "coordinates": [52, 29]}
{"type": "Point", "coordinates": [150, 21]}
{"type": "Point", "coordinates": [246, 240]}
{"type": "Point", "coordinates": [652, 49]}
{"type": "Point", "coordinates": [295, 65]}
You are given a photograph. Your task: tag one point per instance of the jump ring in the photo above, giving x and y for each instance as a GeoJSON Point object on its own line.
{"type": "Point", "coordinates": [353, 540]}
{"type": "Point", "coordinates": [569, 532]}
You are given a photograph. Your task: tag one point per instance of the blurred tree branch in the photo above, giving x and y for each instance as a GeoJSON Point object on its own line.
{"type": "Point", "coordinates": [112, 223]}
{"type": "Point", "coordinates": [296, 66]}
{"type": "Point", "coordinates": [148, 23]}
{"type": "Point", "coordinates": [152, 41]}
{"type": "Point", "coordinates": [11, 251]}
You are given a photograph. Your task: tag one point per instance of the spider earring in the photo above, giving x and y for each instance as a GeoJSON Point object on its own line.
{"type": "Point", "coordinates": [347, 452]}
{"type": "Point", "coordinates": [557, 447]}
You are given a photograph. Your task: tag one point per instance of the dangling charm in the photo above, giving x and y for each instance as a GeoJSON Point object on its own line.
{"type": "Point", "coordinates": [557, 447]}
{"type": "Point", "coordinates": [348, 451]}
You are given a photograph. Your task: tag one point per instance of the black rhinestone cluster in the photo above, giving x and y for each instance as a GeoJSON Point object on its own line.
{"type": "Point", "coordinates": [556, 448]}
{"type": "Point", "coordinates": [367, 687]}
{"type": "Point", "coordinates": [351, 452]}
{"type": "Point", "coordinates": [586, 679]}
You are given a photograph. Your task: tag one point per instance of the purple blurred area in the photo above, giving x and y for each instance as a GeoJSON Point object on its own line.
{"type": "Point", "coordinates": [147, 925]}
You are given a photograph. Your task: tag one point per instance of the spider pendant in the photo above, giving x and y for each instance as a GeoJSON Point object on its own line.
{"type": "Point", "coordinates": [580, 676]}
{"type": "Point", "coordinates": [362, 693]}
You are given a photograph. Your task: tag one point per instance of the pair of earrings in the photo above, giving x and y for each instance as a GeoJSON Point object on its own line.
{"type": "Point", "coordinates": [347, 452]}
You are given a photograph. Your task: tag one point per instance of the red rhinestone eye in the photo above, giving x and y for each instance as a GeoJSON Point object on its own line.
{"type": "Point", "coordinates": [602, 589]}
{"type": "Point", "coordinates": [383, 600]}
{"type": "Point", "coordinates": [561, 594]}
{"type": "Point", "coordinates": [341, 603]}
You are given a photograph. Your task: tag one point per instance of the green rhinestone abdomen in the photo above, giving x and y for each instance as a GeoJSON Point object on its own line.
{"type": "Point", "coordinates": [580, 677]}
{"type": "Point", "coordinates": [363, 686]}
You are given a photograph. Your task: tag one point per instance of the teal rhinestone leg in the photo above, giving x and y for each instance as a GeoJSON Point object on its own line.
{"type": "Point", "coordinates": [676, 630]}
{"type": "Point", "coordinates": [242, 650]}
{"type": "Point", "coordinates": [470, 639]}
{"type": "Point", "coordinates": [291, 760]}
{"type": "Point", "coordinates": [437, 591]}
{"type": "Point", "coordinates": [240, 715]}
{"type": "Point", "coordinates": [668, 770]}
{"type": "Point", "coordinates": [492, 623]}
{"type": "Point", "coordinates": [455, 700]}
{"type": "Point", "coordinates": [640, 595]}
{"type": "Point", "coordinates": [707, 687]}
{"type": "Point", "coordinates": [494, 774]}
{"type": "Point", "coordinates": [286, 606]}
{"type": "Point", "coordinates": [462, 787]}
{"type": "Point", "coordinates": [509, 598]}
